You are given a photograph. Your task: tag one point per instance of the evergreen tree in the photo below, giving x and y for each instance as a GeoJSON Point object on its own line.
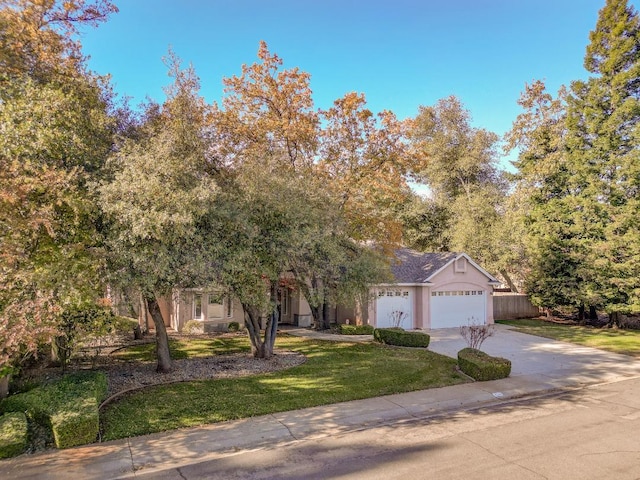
{"type": "Point", "coordinates": [604, 157]}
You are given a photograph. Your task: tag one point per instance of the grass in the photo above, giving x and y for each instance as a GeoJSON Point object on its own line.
{"type": "Point", "coordinates": [334, 372]}
{"type": "Point", "coordinates": [187, 348]}
{"type": "Point", "coordinates": [626, 342]}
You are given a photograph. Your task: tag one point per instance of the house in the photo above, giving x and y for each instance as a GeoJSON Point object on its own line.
{"type": "Point", "coordinates": [433, 290]}
{"type": "Point", "coordinates": [216, 311]}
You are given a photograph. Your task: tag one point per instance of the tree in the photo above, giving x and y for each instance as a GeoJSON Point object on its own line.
{"type": "Point", "coordinates": [364, 158]}
{"type": "Point", "coordinates": [157, 198]}
{"type": "Point", "coordinates": [57, 131]}
{"type": "Point", "coordinates": [459, 165]}
{"type": "Point", "coordinates": [542, 186]}
{"type": "Point", "coordinates": [267, 112]}
{"type": "Point", "coordinates": [267, 131]}
{"type": "Point", "coordinates": [603, 157]}
{"type": "Point", "coordinates": [270, 222]}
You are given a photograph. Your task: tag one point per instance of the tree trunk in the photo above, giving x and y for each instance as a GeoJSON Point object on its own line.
{"type": "Point", "coordinates": [260, 347]}
{"type": "Point", "coordinates": [326, 322]}
{"type": "Point", "coordinates": [614, 320]}
{"type": "Point", "coordinates": [162, 339]}
{"type": "Point", "coordinates": [316, 313]}
{"type": "Point", "coordinates": [507, 279]}
{"type": "Point", "coordinates": [581, 314]}
{"type": "Point", "coordinates": [593, 314]}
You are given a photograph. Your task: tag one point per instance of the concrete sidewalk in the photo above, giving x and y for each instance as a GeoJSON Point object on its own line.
{"type": "Point", "coordinates": [540, 367]}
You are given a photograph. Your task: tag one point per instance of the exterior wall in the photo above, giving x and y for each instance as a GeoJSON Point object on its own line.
{"type": "Point", "coordinates": [507, 306]}
{"type": "Point", "coordinates": [183, 311]}
{"type": "Point", "coordinates": [300, 310]}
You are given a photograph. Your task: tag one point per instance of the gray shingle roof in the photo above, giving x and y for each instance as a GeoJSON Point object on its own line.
{"type": "Point", "coordinates": [417, 267]}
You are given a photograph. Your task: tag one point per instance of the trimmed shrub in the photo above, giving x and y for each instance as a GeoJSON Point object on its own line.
{"type": "Point", "coordinates": [193, 327]}
{"type": "Point", "coordinates": [355, 329]}
{"type": "Point", "coordinates": [401, 338]}
{"type": "Point", "coordinates": [68, 408]}
{"type": "Point", "coordinates": [13, 434]}
{"type": "Point", "coordinates": [483, 367]}
{"type": "Point", "coordinates": [233, 327]}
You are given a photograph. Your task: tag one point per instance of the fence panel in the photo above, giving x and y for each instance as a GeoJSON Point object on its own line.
{"type": "Point", "coordinates": [507, 306]}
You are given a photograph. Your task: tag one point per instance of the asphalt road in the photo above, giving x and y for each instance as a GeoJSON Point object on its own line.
{"type": "Point", "coordinates": [591, 433]}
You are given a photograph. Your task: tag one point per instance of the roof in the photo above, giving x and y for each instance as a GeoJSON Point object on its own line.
{"type": "Point", "coordinates": [417, 267]}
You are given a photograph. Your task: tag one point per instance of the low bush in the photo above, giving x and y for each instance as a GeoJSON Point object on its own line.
{"type": "Point", "coordinates": [67, 408]}
{"type": "Point", "coordinates": [13, 434]}
{"type": "Point", "coordinates": [401, 338]}
{"type": "Point", "coordinates": [233, 327]}
{"type": "Point", "coordinates": [481, 366]}
{"type": "Point", "coordinates": [193, 327]}
{"type": "Point", "coordinates": [355, 329]}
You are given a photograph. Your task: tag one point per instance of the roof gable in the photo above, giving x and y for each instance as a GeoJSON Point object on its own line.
{"type": "Point", "coordinates": [418, 267]}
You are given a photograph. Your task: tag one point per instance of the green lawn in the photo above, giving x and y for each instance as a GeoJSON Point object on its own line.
{"type": "Point", "coordinates": [334, 372]}
{"type": "Point", "coordinates": [626, 342]}
{"type": "Point", "coordinates": [187, 348]}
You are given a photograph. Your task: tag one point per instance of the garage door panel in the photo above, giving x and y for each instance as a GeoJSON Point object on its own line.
{"type": "Point", "coordinates": [456, 308]}
{"type": "Point", "coordinates": [394, 305]}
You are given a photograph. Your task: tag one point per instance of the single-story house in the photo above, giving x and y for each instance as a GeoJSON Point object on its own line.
{"type": "Point", "coordinates": [431, 290]}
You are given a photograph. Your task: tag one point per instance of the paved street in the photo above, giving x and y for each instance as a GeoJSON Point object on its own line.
{"type": "Point", "coordinates": [588, 434]}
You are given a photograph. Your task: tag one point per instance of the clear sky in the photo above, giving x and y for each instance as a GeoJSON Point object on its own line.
{"type": "Point", "coordinates": [399, 53]}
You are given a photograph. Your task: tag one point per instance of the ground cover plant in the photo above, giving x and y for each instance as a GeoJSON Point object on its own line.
{"type": "Point", "coordinates": [334, 372]}
{"type": "Point", "coordinates": [626, 342]}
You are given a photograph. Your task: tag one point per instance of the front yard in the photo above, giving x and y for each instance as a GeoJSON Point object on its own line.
{"type": "Point", "coordinates": [333, 372]}
{"type": "Point", "coordinates": [626, 342]}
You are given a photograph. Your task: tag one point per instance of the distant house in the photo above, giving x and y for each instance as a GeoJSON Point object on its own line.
{"type": "Point", "coordinates": [431, 290]}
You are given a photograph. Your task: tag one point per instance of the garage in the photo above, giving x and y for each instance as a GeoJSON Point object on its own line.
{"type": "Point", "coordinates": [454, 308]}
{"type": "Point", "coordinates": [394, 308]}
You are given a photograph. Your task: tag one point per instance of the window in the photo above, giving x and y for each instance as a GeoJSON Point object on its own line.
{"type": "Point", "coordinates": [197, 307]}
{"type": "Point", "coordinates": [215, 307]}
{"type": "Point", "coordinates": [389, 294]}
{"type": "Point", "coordinates": [381, 293]}
{"type": "Point", "coordinates": [433, 294]}
{"type": "Point", "coordinates": [405, 294]}
{"type": "Point", "coordinates": [398, 294]}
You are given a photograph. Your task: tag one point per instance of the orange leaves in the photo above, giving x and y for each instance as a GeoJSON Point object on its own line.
{"type": "Point", "coordinates": [268, 112]}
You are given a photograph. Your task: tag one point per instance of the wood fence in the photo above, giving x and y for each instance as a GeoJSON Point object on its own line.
{"type": "Point", "coordinates": [507, 306]}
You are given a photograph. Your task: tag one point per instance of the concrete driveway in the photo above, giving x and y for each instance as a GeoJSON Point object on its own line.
{"type": "Point", "coordinates": [552, 361]}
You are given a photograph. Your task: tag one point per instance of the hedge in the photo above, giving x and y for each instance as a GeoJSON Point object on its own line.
{"type": "Point", "coordinates": [355, 329]}
{"type": "Point", "coordinates": [481, 366]}
{"type": "Point", "coordinates": [399, 337]}
{"type": "Point", "coordinates": [13, 434]}
{"type": "Point", "coordinates": [68, 408]}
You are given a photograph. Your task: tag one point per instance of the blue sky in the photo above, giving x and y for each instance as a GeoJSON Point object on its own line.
{"type": "Point", "coordinates": [399, 53]}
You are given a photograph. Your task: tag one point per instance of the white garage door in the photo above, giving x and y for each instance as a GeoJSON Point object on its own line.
{"type": "Point", "coordinates": [458, 307]}
{"type": "Point", "coordinates": [394, 308]}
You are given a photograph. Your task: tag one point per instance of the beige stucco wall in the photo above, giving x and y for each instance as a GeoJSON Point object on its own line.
{"type": "Point", "coordinates": [182, 311]}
